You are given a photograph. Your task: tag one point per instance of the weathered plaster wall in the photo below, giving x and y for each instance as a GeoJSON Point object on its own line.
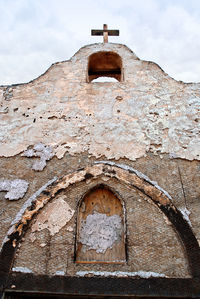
{"type": "Point", "coordinates": [15, 189]}
{"type": "Point", "coordinates": [59, 123]}
{"type": "Point", "coordinates": [148, 111]}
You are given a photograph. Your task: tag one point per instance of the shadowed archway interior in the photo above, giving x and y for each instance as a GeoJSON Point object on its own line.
{"type": "Point", "coordinates": [105, 64]}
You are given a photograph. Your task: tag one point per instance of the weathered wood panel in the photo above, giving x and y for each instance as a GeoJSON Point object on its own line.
{"type": "Point", "coordinates": [100, 230]}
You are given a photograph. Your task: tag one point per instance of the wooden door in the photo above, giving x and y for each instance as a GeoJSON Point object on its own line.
{"type": "Point", "coordinates": [100, 228]}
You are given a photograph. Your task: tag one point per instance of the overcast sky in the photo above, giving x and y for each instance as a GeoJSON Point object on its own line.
{"type": "Point", "coordinates": [37, 33]}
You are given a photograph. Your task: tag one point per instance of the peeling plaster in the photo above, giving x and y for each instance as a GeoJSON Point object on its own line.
{"type": "Point", "coordinates": [117, 171]}
{"type": "Point", "coordinates": [3, 110]}
{"type": "Point", "coordinates": [8, 93]}
{"type": "Point", "coordinates": [186, 213]}
{"type": "Point", "coordinates": [45, 153]}
{"type": "Point", "coordinates": [31, 200]}
{"type": "Point", "coordinates": [56, 215]}
{"type": "Point", "coordinates": [34, 205]}
{"type": "Point", "coordinates": [70, 229]}
{"type": "Point", "coordinates": [26, 206]}
{"type": "Point", "coordinates": [100, 232]}
{"type": "Point", "coordinates": [22, 270]}
{"type": "Point", "coordinates": [138, 173]}
{"type": "Point", "coordinates": [16, 189]}
{"type": "Point", "coordinates": [141, 274]}
{"type": "Point", "coordinates": [60, 273]}
{"type": "Point", "coordinates": [155, 113]}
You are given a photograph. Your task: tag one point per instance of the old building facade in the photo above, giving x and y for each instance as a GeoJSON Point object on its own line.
{"type": "Point", "coordinates": [100, 180]}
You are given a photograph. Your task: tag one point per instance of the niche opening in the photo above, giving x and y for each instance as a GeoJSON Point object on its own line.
{"type": "Point", "coordinates": [104, 64]}
{"type": "Point", "coordinates": [100, 228]}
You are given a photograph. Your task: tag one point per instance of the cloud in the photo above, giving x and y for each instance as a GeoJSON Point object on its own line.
{"type": "Point", "coordinates": [170, 37]}
{"type": "Point", "coordinates": [35, 33]}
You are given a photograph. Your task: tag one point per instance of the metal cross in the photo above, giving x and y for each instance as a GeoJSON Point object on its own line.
{"type": "Point", "coordinates": [105, 32]}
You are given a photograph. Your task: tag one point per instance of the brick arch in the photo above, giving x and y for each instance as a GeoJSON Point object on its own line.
{"type": "Point", "coordinates": [122, 173]}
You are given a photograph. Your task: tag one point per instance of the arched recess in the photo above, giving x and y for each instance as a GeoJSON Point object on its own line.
{"type": "Point", "coordinates": [123, 173]}
{"type": "Point", "coordinates": [105, 64]}
{"type": "Point", "coordinates": [100, 228]}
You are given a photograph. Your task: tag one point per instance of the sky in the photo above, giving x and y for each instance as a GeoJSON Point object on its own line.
{"type": "Point", "coordinates": [37, 33]}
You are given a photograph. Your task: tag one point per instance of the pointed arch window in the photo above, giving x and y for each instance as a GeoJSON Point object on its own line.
{"type": "Point", "coordinates": [100, 228]}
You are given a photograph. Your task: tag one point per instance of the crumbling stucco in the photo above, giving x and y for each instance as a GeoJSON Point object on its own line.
{"type": "Point", "coordinates": [148, 238]}
{"type": "Point", "coordinates": [60, 273]}
{"type": "Point", "coordinates": [54, 217]}
{"type": "Point", "coordinates": [21, 269]}
{"type": "Point", "coordinates": [26, 207]}
{"type": "Point", "coordinates": [141, 274]}
{"type": "Point", "coordinates": [100, 232]}
{"type": "Point", "coordinates": [45, 153]}
{"type": "Point", "coordinates": [118, 171]}
{"type": "Point", "coordinates": [60, 113]}
{"type": "Point", "coordinates": [147, 111]}
{"type": "Point", "coordinates": [16, 189]}
{"type": "Point", "coordinates": [186, 213]}
{"type": "Point", "coordinates": [138, 173]}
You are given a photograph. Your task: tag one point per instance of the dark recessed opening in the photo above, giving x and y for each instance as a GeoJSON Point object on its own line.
{"type": "Point", "coordinates": [105, 64]}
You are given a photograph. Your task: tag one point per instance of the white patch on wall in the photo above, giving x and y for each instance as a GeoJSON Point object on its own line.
{"type": "Point", "coordinates": [45, 153]}
{"type": "Point", "coordinates": [21, 269]}
{"type": "Point", "coordinates": [28, 203]}
{"type": "Point", "coordinates": [100, 232]}
{"type": "Point", "coordinates": [141, 274]}
{"type": "Point", "coordinates": [16, 189]}
{"type": "Point", "coordinates": [56, 215]}
{"type": "Point", "coordinates": [60, 273]}
{"type": "Point", "coordinates": [186, 213]}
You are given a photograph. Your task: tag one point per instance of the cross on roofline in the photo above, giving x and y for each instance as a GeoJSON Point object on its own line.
{"type": "Point", "coordinates": [105, 32]}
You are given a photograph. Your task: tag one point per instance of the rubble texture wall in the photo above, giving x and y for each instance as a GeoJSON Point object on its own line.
{"type": "Point", "coordinates": [59, 123]}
